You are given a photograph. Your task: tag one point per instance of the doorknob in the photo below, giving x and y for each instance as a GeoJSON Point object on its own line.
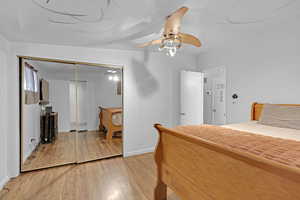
{"type": "Point", "coordinates": [182, 113]}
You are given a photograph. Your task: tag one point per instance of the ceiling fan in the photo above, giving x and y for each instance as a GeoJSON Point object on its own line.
{"type": "Point", "coordinates": [172, 38]}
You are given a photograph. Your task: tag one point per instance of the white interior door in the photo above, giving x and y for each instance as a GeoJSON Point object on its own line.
{"type": "Point", "coordinates": [191, 112]}
{"type": "Point", "coordinates": [78, 105]}
{"type": "Point", "coordinates": [218, 102]}
{"type": "Point", "coordinates": [215, 95]}
{"type": "Point", "coordinates": [73, 104]}
{"type": "Point", "coordinates": [82, 105]}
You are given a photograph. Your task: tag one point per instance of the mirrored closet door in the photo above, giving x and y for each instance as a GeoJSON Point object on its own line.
{"type": "Point", "coordinates": [45, 114]}
{"type": "Point", "coordinates": [99, 112]}
{"type": "Point", "coordinates": [70, 113]}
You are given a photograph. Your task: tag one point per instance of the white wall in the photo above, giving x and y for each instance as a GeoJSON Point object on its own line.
{"type": "Point", "coordinates": [31, 129]}
{"type": "Point", "coordinates": [4, 55]}
{"type": "Point", "coordinates": [106, 92]}
{"type": "Point", "coordinates": [261, 67]}
{"type": "Point", "coordinates": [100, 92]}
{"type": "Point", "coordinates": [59, 99]}
{"type": "Point", "coordinates": [151, 91]}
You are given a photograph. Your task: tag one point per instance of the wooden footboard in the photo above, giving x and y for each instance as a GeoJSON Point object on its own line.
{"type": "Point", "coordinates": [107, 122]}
{"type": "Point", "coordinates": [196, 169]}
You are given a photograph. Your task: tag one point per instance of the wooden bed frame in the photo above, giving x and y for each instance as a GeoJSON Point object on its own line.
{"type": "Point", "coordinates": [105, 116]}
{"type": "Point", "coordinates": [258, 107]}
{"type": "Point", "coordinates": [197, 169]}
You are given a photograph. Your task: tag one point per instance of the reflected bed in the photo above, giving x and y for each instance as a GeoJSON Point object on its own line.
{"type": "Point", "coordinates": [111, 120]}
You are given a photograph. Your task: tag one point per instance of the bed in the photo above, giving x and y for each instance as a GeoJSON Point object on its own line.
{"type": "Point", "coordinates": [200, 169]}
{"type": "Point", "coordinates": [110, 121]}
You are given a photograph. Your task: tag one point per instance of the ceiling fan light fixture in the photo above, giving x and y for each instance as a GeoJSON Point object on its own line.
{"type": "Point", "coordinates": [111, 71]}
{"type": "Point", "coordinates": [172, 38]}
{"type": "Point", "coordinates": [170, 45]}
{"type": "Point", "coordinates": [172, 52]}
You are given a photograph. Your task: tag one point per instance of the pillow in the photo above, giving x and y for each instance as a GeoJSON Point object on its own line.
{"type": "Point", "coordinates": [280, 116]}
{"type": "Point", "coordinates": [117, 119]}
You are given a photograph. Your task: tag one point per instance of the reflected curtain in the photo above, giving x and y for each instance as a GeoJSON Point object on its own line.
{"type": "Point", "coordinates": [31, 85]}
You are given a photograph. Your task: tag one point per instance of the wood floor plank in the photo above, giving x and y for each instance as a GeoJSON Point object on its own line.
{"type": "Point", "coordinates": [131, 178]}
{"type": "Point", "coordinates": [92, 145]}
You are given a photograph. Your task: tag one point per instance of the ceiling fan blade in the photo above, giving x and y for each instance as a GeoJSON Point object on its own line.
{"type": "Point", "coordinates": [190, 39]}
{"type": "Point", "coordinates": [153, 42]}
{"type": "Point", "coordinates": [173, 21]}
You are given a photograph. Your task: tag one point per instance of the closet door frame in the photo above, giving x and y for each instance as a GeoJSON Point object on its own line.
{"type": "Point", "coordinates": [20, 59]}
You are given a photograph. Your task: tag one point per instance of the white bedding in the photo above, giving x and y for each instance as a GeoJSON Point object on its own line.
{"type": "Point", "coordinates": [117, 119]}
{"type": "Point", "coordinates": [254, 127]}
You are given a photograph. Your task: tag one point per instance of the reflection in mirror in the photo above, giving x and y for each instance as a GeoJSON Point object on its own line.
{"type": "Point", "coordinates": [70, 113]}
{"type": "Point", "coordinates": [46, 137]}
{"type": "Point", "coordinates": [99, 112]}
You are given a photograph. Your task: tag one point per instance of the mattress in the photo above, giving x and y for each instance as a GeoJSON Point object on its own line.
{"type": "Point", "coordinates": [280, 145]}
{"type": "Point", "coordinates": [256, 128]}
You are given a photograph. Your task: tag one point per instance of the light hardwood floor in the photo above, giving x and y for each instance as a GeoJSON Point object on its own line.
{"type": "Point", "coordinates": [91, 145]}
{"type": "Point", "coordinates": [119, 178]}
{"type": "Point", "coordinates": [94, 145]}
{"type": "Point", "coordinates": [61, 151]}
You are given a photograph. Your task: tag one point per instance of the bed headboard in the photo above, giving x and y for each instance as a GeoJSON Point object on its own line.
{"type": "Point", "coordinates": [258, 107]}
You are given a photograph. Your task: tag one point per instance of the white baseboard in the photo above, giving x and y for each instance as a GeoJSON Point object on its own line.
{"type": "Point", "coordinates": [138, 152]}
{"type": "Point", "coordinates": [3, 182]}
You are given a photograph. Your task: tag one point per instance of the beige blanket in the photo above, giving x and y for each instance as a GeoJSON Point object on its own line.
{"type": "Point", "coordinates": [283, 151]}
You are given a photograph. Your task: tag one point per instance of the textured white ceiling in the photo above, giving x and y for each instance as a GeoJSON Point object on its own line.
{"type": "Point", "coordinates": [123, 24]}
